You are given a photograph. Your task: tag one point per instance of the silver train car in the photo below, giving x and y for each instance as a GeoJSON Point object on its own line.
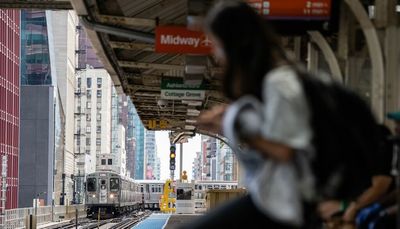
{"type": "Point", "coordinates": [151, 193]}
{"type": "Point", "coordinates": [109, 194]}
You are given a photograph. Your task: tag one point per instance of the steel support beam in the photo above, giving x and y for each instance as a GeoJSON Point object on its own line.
{"type": "Point", "coordinates": [126, 21]}
{"type": "Point", "coordinates": [376, 55]}
{"type": "Point", "coordinates": [36, 4]}
{"type": "Point", "coordinates": [122, 32]}
{"type": "Point", "coordinates": [132, 46]}
{"type": "Point", "coordinates": [131, 64]}
{"type": "Point", "coordinates": [328, 53]}
{"type": "Point", "coordinates": [386, 21]}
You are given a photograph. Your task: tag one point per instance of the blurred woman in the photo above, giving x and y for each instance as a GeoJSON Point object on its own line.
{"type": "Point", "coordinates": [257, 74]}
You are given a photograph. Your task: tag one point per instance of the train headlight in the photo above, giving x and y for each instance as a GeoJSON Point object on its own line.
{"type": "Point", "coordinates": [94, 195]}
{"type": "Point", "coordinates": [111, 196]}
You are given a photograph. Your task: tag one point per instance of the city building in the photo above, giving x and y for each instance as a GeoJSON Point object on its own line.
{"type": "Point", "coordinates": [92, 118]}
{"type": "Point", "coordinates": [120, 156]}
{"type": "Point", "coordinates": [130, 139]}
{"type": "Point", "coordinates": [227, 164]}
{"type": "Point", "coordinates": [39, 86]}
{"type": "Point", "coordinates": [87, 57]}
{"type": "Point", "coordinates": [92, 122]}
{"type": "Point", "coordinates": [150, 151]}
{"type": "Point", "coordinates": [139, 152]}
{"type": "Point", "coordinates": [37, 144]}
{"type": "Point", "coordinates": [197, 167]}
{"type": "Point", "coordinates": [9, 101]}
{"type": "Point", "coordinates": [126, 112]}
{"type": "Point", "coordinates": [157, 168]}
{"type": "Point", "coordinates": [209, 153]}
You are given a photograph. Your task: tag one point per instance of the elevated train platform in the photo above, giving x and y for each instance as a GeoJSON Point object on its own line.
{"type": "Point", "coordinates": [165, 221]}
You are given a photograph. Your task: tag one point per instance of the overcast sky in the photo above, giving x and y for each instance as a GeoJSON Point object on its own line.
{"type": "Point", "coordinates": [189, 153]}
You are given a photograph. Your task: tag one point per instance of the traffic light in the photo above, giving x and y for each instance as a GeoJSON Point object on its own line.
{"type": "Point", "coordinates": [172, 156]}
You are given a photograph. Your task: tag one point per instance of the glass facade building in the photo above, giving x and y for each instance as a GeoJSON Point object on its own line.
{"type": "Point", "coordinates": [139, 157]}
{"type": "Point", "coordinates": [35, 68]}
{"type": "Point", "coordinates": [35, 57]}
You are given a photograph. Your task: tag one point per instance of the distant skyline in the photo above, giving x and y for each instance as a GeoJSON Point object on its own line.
{"type": "Point", "coordinates": [189, 153]}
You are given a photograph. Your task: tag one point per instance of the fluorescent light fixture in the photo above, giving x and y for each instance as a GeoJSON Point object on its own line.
{"type": "Point", "coordinates": [192, 103]}
{"type": "Point", "coordinates": [195, 69]}
{"type": "Point", "coordinates": [190, 127]}
{"type": "Point", "coordinates": [193, 111]}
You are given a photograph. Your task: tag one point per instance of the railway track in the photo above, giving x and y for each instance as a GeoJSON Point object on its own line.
{"type": "Point", "coordinates": [132, 220]}
{"type": "Point", "coordinates": [124, 221]}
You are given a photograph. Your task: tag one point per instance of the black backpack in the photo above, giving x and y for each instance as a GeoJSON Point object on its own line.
{"type": "Point", "coordinates": [346, 137]}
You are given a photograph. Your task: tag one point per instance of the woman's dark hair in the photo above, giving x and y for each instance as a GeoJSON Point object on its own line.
{"type": "Point", "coordinates": [251, 47]}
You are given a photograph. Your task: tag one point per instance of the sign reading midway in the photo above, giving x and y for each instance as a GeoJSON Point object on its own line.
{"type": "Point", "coordinates": [175, 89]}
{"type": "Point", "coordinates": [175, 39]}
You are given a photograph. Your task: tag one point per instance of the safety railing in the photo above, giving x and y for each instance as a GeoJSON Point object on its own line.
{"type": "Point", "coordinates": [16, 218]}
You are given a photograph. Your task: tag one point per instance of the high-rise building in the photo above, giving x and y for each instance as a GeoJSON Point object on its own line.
{"type": "Point", "coordinates": [9, 100]}
{"type": "Point", "coordinates": [87, 57]}
{"type": "Point", "coordinates": [139, 152]}
{"type": "Point", "coordinates": [39, 102]}
{"type": "Point", "coordinates": [150, 151]}
{"type": "Point", "coordinates": [47, 63]}
{"type": "Point", "coordinates": [92, 121]}
{"type": "Point", "coordinates": [130, 140]}
{"type": "Point", "coordinates": [227, 164]}
{"type": "Point", "coordinates": [197, 167]}
{"type": "Point", "coordinates": [61, 27]}
{"type": "Point", "coordinates": [126, 112]}
{"type": "Point", "coordinates": [157, 168]}
{"type": "Point", "coordinates": [35, 54]}
{"type": "Point", "coordinates": [209, 153]}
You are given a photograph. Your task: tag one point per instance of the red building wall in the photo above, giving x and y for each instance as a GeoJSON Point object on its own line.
{"type": "Point", "coordinates": [9, 99]}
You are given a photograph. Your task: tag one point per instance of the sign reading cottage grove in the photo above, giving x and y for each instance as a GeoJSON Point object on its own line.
{"type": "Point", "coordinates": [175, 89]}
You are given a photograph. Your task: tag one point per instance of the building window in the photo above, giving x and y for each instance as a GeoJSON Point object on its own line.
{"type": "Point", "coordinates": [103, 161]}
{"type": "Point", "coordinates": [88, 105]}
{"type": "Point", "coordinates": [88, 141]}
{"type": "Point", "coordinates": [88, 129]}
{"type": "Point", "coordinates": [88, 117]}
{"type": "Point", "coordinates": [79, 82]}
{"type": "Point", "coordinates": [98, 105]}
{"type": "Point", "coordinates": [87, 151]}
{"type": "Point", "coordinates": [109, 161]}
{"type": "Point", "coordinates": [98, 141]}
{"type": "Point", "coordinates": [89, 93]}
{"type": "Point", "coordinates": [89, 82]}
{"type": "Point", "coordinates": [99, 117]}
{"type": "Point", "coordinates": [78, 141]}
{"type": "Point", "coordinates": [98, 152]}
{"type": "Point", "coordinates": [99, 80]}
{"type": "Point", "coordinates": [98, 129]}
{"type": "Point", "coordinates": [98, 93]}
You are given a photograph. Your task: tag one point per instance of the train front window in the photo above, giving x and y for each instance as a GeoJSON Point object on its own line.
{"type": "Point", "coordinates": [183, 194]}
{"type": "Point", "coordinates": [91, 184]}
{"type": "Point", "coordinates": [114, 184]}
{"type": "Point", "coordinates": [103, 184]}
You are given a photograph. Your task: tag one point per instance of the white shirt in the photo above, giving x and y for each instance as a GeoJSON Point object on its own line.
{"type": "Point", "coordinates": [276, 188]}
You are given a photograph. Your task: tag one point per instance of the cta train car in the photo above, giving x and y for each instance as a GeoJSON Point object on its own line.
{"type": "Point", "coordinates": [109, 194]}
{"type": "Point", "coordinates": [151, 193]}
{"type": "Point", "coordinates": [201, 187]}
